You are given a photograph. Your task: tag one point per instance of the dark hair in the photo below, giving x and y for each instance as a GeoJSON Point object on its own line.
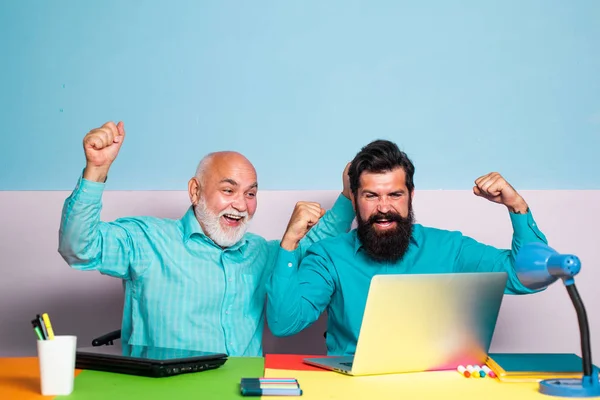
{"type": "Point", "coordinates": [380, 156]}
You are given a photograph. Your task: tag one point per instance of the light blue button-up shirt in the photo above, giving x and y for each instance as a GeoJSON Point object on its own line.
{"type": "Point", "coordinates": [181, 289]}
{"type": "Point", "coordinates": [336, 273]}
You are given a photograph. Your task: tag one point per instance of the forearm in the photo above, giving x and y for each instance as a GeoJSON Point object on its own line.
{"type": "Point", "coordinates": [289, 307]}
{"type": "Point", "coordinates": [518, 206]}
{"type": "Point", "coordinates": [78, 234]}
{"type": "Point", "coordinates": [83, 238]}
{"type": "Point", "coordinates": [525, 230]}
{"type": "Point", "coordinates": [96, 174]}
{"type": "Point", "coordinates": [478, 257]}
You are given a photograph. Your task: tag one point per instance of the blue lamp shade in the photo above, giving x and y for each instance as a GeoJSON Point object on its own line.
{"type": "Point", "coordinates": [538, 265]}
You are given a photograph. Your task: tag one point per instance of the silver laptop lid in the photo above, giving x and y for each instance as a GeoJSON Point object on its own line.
{"type": "Point", "coordinates": [425, 322]}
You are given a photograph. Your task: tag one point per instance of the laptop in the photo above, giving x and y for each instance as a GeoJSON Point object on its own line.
{"type": "Point", "coordinates": [424, 322]}
{"type": "Point", "coordinates": [155, 362]}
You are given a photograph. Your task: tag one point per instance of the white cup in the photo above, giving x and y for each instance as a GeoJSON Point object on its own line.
{"type": "Point", "coordinates": [57, 365]}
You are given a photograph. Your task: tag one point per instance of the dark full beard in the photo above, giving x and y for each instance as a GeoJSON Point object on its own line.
{"type": "Point", "coordinates": [389, 245]}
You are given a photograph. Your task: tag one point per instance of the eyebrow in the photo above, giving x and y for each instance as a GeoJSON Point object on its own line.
{"type": "Point", "coordinates": [400, 191]}
{"type": "Point", "coordinates": [229, 180]}
{"type": "Point", "coordinates": [234, 183]}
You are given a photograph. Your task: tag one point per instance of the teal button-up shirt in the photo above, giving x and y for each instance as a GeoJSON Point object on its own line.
{"type": "Point", "coordinates": [336, 273]}
{"type": "Point", "coordinates": [181, 289]}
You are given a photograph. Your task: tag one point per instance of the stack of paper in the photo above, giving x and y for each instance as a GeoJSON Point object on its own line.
{"type": "Point", "coordinates": [534, 367]}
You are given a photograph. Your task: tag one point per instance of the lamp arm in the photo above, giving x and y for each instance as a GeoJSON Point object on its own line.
{"type": "Point", "coordinates": [584, 328]}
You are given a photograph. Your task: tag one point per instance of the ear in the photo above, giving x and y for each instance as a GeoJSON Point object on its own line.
{"type": "Point", "coordinates": [194, 189]}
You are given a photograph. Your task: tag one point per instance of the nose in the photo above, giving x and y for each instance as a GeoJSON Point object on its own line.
{"type": "Point", "coordinates": [239, 203]}
{"type": "Point", "coordinates": [383, 206]}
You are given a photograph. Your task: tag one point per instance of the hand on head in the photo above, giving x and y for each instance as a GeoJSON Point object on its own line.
{"type": "Point", "coordinates": [346, 182]}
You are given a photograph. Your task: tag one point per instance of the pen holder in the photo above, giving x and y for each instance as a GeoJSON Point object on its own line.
{"type": "Point", "coordinates": [57, 365]}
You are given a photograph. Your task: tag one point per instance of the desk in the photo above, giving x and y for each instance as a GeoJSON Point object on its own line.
{"type": "Point", "coordinates": [19, 380]}
{"type": "Point", "coordinates": [320, 384]}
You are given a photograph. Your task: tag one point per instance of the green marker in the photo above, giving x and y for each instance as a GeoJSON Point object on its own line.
{"type": "Point", "coordinates": [38, 333]}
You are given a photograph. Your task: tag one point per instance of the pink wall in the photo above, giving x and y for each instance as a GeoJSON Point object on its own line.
{"type": "Point", "coordinates": [35, 278]}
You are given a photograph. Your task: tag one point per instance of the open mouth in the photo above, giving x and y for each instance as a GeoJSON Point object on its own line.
{"type": "Point", "coordinates": [384, 223]}
{"type": "Point", "coordinates": [232, 220]}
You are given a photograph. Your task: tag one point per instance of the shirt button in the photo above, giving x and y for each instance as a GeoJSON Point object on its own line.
{"type": "Point", "coordinates": [227, 312]}
{"type": "Point", "coordinates": [290, 265]}
{"type": "Point", "coordinates": [230, 279]}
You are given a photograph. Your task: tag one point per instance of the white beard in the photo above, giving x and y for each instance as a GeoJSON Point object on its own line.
{"type": "Point", "coordinates": [212, 226]}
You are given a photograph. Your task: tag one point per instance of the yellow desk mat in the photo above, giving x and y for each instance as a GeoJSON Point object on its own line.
{"type": "Point", "coordinates": [422, 385]}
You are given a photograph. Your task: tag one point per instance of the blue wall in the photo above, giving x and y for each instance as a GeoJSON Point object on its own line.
{"type": "Point", "coordinates": [299, 86]}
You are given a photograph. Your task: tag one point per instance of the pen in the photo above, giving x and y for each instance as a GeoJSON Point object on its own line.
{"type": "Point", "coordinates": [271, 392]}
{"type": "Point", "coordinates": [48, 326]}
{"type": "Point", "coordinates": [463, 371]}
{"type": "Point", "coordinates": [38, 333]}
{"type": "Point", "coordinates": [472, 371]}
{"type": "Point", "coordinates": [38, 329]}
{"type": "Point", "coordinates": [249, 384]}
{"type": "Point", "coordinates": [489, 372]}
{"type": "Point", "coordinates": [287, 387]}
{"type": "Point", "coordinates": [280, 385]}
{"type": "Point", "coordinates": [40, 323]}
{"type": "Point", "coordinates": [479, 371]}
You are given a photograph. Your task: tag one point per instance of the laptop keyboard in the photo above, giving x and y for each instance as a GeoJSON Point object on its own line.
{"type": "Point", "coordinates": [347, 364]}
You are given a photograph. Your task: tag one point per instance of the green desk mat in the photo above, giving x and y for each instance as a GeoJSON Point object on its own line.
{"type": "Point", "coordinates": [221, 383]}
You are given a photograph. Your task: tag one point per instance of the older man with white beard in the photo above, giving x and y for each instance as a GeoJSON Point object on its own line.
{"type": "Point", "coordinates": [195, 283]}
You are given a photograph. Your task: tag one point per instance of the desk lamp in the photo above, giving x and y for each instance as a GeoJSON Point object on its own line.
{"type": "Point", "coordinates": [537, 266]}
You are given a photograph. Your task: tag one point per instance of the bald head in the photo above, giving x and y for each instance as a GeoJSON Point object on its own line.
{"type": "Point", "coordinates": [222, 160]}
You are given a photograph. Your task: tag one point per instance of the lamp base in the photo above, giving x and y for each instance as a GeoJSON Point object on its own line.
{"type": "Point", "coordinates": [588, 386]}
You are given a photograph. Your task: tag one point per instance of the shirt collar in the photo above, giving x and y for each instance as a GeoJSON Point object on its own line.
{"type": "Point", "coordinates": [415, 238]}
{"type": "Point", "coordinates": [192, 227]}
